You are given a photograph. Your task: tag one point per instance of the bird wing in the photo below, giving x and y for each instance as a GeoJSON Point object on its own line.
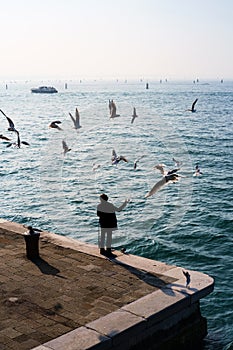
{"type": "Point", "coordinates": [4, 138]}
{"type": "Point", "coordinates": [161, 168]}
{"type": "Point", "coordinates": [124, 159]}
{"type": "Point", "coordinates": [77, 116]}
{"type": "Point", "coordinates": [113, 110]}
{"type": "Point", "coordinates": [25, 143]}
{"type": "Point", "coordinates": [73, 120]}
{"type": "Point", "coordinates": [194, 104]}
{"type": "Point", "coordinates": [173, 171]}
{"type": "Point", "coordinates": [114, 155]}
{"type": "Point", "coordinates": [11, 124]}
{"type": "Point", "coordinates": [156, 187]}
{"type": "Point", "coordinates": [18, 139]}
{"type": "Point", "coordinates": [65, 147]}
{"type": "Point", "coordinates": [177, 162]}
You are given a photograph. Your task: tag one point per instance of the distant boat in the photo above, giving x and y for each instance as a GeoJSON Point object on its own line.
{"type": "Point", "coordinates": [44, 90]}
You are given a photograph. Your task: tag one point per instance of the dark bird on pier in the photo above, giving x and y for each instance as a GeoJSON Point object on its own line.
{"type": "Point", "coordinates": [188, 278]}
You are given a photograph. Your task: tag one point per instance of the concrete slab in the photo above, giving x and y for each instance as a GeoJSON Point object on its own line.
{"type": "Point", "coordinates": [80, 339]}
{"type": "Point", "coordinates": [158, 305]}
{"type": "Point", "coordinates": [73, 295]}
{"type": "Point", "coordinates": [120, 326]}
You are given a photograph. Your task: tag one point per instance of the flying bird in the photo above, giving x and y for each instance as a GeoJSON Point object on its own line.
{"type": "Point", "coordinates": [136, 162]}
{"type": "Point", "coordinates": [193, 106]}
{"type": "Point", "coordinates": [76, 120]}
{"type": "Point", "coordinates": [161, 168]}
{"type": "Point", "coordinates": [134, 115]}
{"type": "Point", "coordinates": [113, 113]}
{"type": "Point", "coordinates": [177, 162]}
{"type": "Point", "coordinates": [54, 125]}
{"type": "Point", "coordinates": [116, 159]}
{"type": "Point", "coordinates": [172, 178]}
{"type": "Point", "coordinates": [188, 278]}
{"type": "Point", "coordinates": [65, 147]}
{"type": "Point", "coordinates": [110, 106]}
{"type": "Point", "coordinates": [197, 171]}
{"type": "Point", "coordinates": [4, 137]}
{"type": "Point", "coordinates": [18, 143]}
{"type": "Point", "coordinates": [10, 121]}
{"type": "Point", "coordinates": [95, 166]}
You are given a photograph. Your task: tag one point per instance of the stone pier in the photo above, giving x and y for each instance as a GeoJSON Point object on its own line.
{"type": "Point", "coordinates": [72, 298]}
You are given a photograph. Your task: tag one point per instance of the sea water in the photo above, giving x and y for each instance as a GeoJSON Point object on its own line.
{"type": "Point", "coordinates": [188, 223]}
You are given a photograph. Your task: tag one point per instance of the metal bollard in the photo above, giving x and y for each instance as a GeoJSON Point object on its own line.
{"type": "Point", "coordinates": [32, 243]}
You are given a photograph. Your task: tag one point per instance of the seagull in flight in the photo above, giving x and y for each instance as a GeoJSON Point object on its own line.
{"type": "Point", "coordinates": [113, 113]}
{"type": "Point", "coordinates": [172, 178]}
{"type": "Point", "coordinates": [18, 143]}
{"type": "Point", "coordinates": [161, 168]}
{"type": "Point", "coordinates": [116, 159]}
{"type": "Point", "coordinates": [54, 125]}
{"type": "Point", "coordinates": [2, 137]}
{"type": "Point", "coordinates": [188, 278]}
{"type": "Point", "coordinates": [76, 120]}
{"type": "Point", "coordinates": [193, 106]}
{"type": "Point", "coordinates": [134, 115]}
{"type": "Point", "coordinates": [197, 171]}
{"type": "Point", "coordinates": [177, 162]}
{"type": "Point", "coordinates": [65, 147]}
{"type": "Point", "coordinates": [95, 166]}
{"type": "Point", "coordinates": [10, 121]}
{"type": "Point", "coordinates": [136, 162]}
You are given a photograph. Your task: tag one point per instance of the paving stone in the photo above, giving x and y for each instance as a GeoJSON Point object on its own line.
{"type": "Point", "coordinates": [72, 285]}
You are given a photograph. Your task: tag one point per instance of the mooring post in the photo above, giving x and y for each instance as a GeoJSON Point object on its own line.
{"type": "Point", "coordinates": [32, 243]}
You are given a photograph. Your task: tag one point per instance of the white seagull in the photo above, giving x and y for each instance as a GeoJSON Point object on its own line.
{"type": "Point", "coordinates": [18, 143]}
{"type": "Point", "coordinates": [136, 162]}
{"type": "Point", "coordinates": [113, 110]}
{"type": "Point", "coordinates": [95, 166]}
{"type": "Point", "coordinates": [134, 115]}
{"type": "Point", "coordinates": [116, 159]}
{"type": "Point", "coordinates": [172, 178]}
{"type": "Point", "coordinates": [197, 171]}
{"type": "Point", "coordinates": [65, 147]}
{"type": "Point", "coordinates": [161, 168]}
{"type": "Point", "coordinates": [76, 120]}
{"type": "Point", "coordinates": [177, 162]}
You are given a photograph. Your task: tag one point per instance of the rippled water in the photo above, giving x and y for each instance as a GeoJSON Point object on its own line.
{"type": "Point", "coordinates": [188, 224]}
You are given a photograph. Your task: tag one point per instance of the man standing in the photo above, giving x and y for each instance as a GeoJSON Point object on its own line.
{"type": "Point", "coordinates": [108, 223]}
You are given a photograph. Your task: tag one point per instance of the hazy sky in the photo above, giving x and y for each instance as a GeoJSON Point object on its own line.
{"type": "Point", "coordinates": [73, 39]}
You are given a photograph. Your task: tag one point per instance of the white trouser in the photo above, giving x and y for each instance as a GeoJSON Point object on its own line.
{"type": "Point", "coordinates": [106, 232]}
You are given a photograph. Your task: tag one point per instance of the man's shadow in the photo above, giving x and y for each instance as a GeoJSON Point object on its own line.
{"type": "Point", "coordinates": [46, 268]}
{"type": "Point", "coordinates": [147, 277]}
